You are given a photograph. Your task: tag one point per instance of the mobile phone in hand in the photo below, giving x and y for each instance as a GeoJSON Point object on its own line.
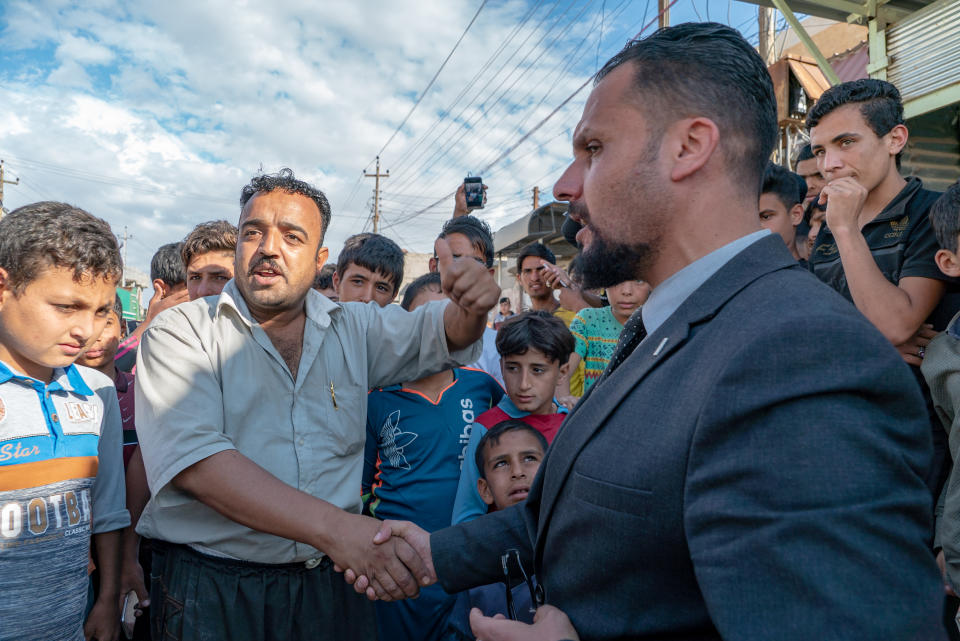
{"type": "Point", "coordinates": [128, 617]}
{"type": "Point", "coordinates": [473, 192]}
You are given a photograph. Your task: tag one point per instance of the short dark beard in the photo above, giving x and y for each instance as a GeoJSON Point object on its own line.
{"type": "Point", "coordinates": [605, 264]}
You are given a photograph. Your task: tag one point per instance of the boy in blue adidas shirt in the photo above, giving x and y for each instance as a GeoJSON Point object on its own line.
{"type": "Point", "coordinates": [61, 471]}
{"type": "Point", "coordinates": [416, 436]}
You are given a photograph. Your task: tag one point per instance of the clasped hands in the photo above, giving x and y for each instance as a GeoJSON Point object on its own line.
{"type": "Point", "coordinates": [395, 561]}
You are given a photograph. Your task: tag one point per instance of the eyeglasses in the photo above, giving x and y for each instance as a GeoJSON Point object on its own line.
{"type": "Point", "coordinates": [536, 593]}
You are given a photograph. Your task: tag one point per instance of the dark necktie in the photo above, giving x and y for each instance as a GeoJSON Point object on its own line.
{"type": "Point", "coordinates": [633, 332]}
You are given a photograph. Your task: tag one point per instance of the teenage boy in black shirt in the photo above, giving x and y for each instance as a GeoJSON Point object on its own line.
{"type": "Point", "coordinates": [877, 247]}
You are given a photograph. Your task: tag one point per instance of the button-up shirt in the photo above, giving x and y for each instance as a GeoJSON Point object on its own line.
{"type": "Point", "coordinates": [209, 379]}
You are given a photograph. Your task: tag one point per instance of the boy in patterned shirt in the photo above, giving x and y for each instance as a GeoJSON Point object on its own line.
{"type": "Point", "coordinates": [417, 433]}
{"type": "Point", "coordinates": [61, 472]}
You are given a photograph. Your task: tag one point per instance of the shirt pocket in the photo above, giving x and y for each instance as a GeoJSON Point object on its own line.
{"type": "Point", "coordinates": [612, 496]}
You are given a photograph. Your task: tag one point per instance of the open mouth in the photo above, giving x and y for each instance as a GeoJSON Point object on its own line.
{"type": "Point", "coordinates": [519, 493]}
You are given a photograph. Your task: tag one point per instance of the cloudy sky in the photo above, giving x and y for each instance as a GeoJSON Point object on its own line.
{"type": "Point", "coordinates": [153, 115]}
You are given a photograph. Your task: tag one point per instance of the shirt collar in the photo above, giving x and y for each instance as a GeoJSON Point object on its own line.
{"type": "Point", "coordinates": [67, 379]}
{"type": "Point", "coordinates": [897, 207]}
{"type": "Point", "coordinates": [670, 294]}
{"type": "Point", "coordinates": [318, 307]}
{"type": "Point", "coordinates": [511, 410]}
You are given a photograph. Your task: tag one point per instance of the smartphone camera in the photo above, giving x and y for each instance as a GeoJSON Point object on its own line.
{"type": "Point", "coordinates": [473, 191]}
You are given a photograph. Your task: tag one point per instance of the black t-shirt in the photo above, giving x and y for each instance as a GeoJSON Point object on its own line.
{"type": "Point", "coordinates": [900, 238]}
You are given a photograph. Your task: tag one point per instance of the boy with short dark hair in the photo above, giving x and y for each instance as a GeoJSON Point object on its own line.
{"type": "Point", "coordinates": [60, 463]}
{"type": "Point", "coordinates": [503, 313]}
{"type": "Point", "coordinates": [369, 268]}
{"type": "Point", "coordinates": [941, 366]}
{"type": "Point", "coordinates": [416, 434]}
{"type": "Point", "coordinates": [781, 208]}
{"type": "Point", "coordinates": [508, 457]}
{"type": "Point", "coordinates": [470, 237]}
{"type": "Point", "coordinates": [169, 289]}
{"type": "Point", "coordinates": [534, 349]}
{"type": "Point", "coordinates": [323, 283]}
{"type": "Point", "coordinates": [208, 254]}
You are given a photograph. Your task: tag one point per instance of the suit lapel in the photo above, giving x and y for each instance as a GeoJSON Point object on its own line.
{"type": "Point", "coordinates": [590, 415]}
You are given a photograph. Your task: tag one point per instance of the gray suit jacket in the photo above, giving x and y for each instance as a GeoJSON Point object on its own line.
{"type": "Point", "coordinates": [754, 470]}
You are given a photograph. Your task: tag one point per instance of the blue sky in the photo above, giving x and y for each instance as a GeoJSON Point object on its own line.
{"type": "Point", "coordinates": [153, 115]}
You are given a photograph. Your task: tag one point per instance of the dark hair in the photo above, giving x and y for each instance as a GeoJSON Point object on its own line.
{"type": "Point", "coordinates": [476, 231]}
{"type": "Point", "coordinates": [706, 69]}
{"type": "Point", "coordinates": [805, 153]}
{"type": "Point", "coordinates": [167, 265]}
{"type": "Point", "coordinates": [492, 437]}
{"type": "Point", "coordinates": [324, 279]}
{"type": "Point", "coordinates": [535, 249]}
{"type": "Point", "coordinates": [374, 252]}
{"type": "Point", "coordinates": [286, 181]}
{"type": "Point", "coordinates": [945, 217]}
{"type": "Point", "coordinates": [808, 212]}
{"type": "Point", "coordinates": [118, 310]}
{"type": "Point", "coordinates": [880, 104]}
{"type": "Point", "coordinates": [51, 234]}
{"type": "Point", "coordinates": [430, 279]}
{"type": "Point", "coordinates": [211, 236]}
{"type": "Point", "coordinates": [784, 183]}
{"type": "Point", "coordinates": [505, 299]}
{"type": "Point", "coordinates": [537, 329]}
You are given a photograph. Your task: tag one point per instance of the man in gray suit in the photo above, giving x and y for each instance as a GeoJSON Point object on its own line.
{"type": "Point", "coordinates": [751, 464]}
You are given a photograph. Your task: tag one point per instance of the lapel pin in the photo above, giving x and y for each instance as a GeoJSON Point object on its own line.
{"type": "Point", "coordinates": [660, 347]}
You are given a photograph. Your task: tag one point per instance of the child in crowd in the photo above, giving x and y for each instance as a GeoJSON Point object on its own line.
{"type": "Point", "coordinates": [135, 564]}
{"type": "Point", "coordinates": [369, 268]}
{"type": "Point", "coordinates": [470, 237]}
{"type": "Point", "coordinates": [781, 204]}
{"type": "Point", "coordinates": [208, 253]}
{"type": "Point", "coordinates": [61, 478]}
{"type": "Point", "coordinates": [508, 457]}
{"type": "Point", "coordinates": [323, 283]}
{"type": "Point", "coordinates": [534, 349]}
{"type": "Point", "coordinates": [596, 330]}
{"type": "Point", "coordinates": [169, 289]}
{"type": "Point", "coordinates": [503, 313]}
{"type": "Point", "coordinates": [941, 368]}
{"type": "Point", "coordinates": [416, 435]}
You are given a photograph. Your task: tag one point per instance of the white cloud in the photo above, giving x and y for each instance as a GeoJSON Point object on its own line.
{"type": "Point", "coordinates": [178, 103]}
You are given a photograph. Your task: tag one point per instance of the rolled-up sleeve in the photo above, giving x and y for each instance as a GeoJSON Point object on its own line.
{"type": "Point", "coordinates": [179, 404]}
{"type": "Point", "coordinates": [108, 494]}
{"type": "Point", "coordinates": [406, 346]}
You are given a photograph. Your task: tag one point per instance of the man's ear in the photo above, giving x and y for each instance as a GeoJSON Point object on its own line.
{"type": "Point", "coordinates": [948, 262]}
{"type": "Point", "coordinates": [162, 287]}
{"type": "Point", "coordinates": [322, 257]}
{"type": "Point", "coordinates": [691, 143]}
{"type": "Point", "coordinates": [336, 282]}
{"type": "Point", "coordinates": [796, 214]}
{"type": "Point", "coordinates": [897, 139]}
{"type": "Point", "coordinates": [483, 488]}
{"type": "Point", "coordinates": [5, 289]}
{"type": "Point", "coordinates": [432, 265]}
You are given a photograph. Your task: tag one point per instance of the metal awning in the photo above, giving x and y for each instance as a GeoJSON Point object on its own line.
{"type": "Point", "coordinates": [844, 10]}
{"type": "Point", "coordinates": [541, 225]}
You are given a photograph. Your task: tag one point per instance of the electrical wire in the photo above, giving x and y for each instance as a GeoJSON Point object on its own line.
{"type": "Point", "coordinates": [432, 80]}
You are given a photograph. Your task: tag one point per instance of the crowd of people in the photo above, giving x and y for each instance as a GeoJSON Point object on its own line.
{"type": "Point", "coordinates": [733, 417]}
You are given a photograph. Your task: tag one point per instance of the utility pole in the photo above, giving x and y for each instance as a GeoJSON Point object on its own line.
{"type": "Point", "coordinates": [123, 279]}
{"type": "Point", "coordinates": [4, 181]}
{"type": "Point", "coordinates": [536, 198]}
{"type": "Point", "coordinates": [376, 194]}
{"type": "Point", "coordinates": [767, 23]}
{"type": "Point", "coordinates": [663, 20]}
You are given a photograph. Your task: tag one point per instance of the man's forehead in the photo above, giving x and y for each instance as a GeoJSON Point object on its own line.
{"type": "Point", "coordinates": [279, 202]}
{"type": "Point", "coordinates": [844, 119]}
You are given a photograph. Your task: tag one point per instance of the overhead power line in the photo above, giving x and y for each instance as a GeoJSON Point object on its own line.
{"type": "Point", "coordinates": [432, 80]}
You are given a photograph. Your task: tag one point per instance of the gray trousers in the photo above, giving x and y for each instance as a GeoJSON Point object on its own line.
{"type": "Point", "coordinates": [196, 597]}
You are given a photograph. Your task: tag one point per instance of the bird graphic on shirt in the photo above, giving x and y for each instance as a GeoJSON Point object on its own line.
{"type": "Point", "coordinates": [393, 440]}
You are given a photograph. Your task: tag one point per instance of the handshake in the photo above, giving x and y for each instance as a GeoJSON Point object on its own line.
{"type": "Point", "coordinates": [387, 560]}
